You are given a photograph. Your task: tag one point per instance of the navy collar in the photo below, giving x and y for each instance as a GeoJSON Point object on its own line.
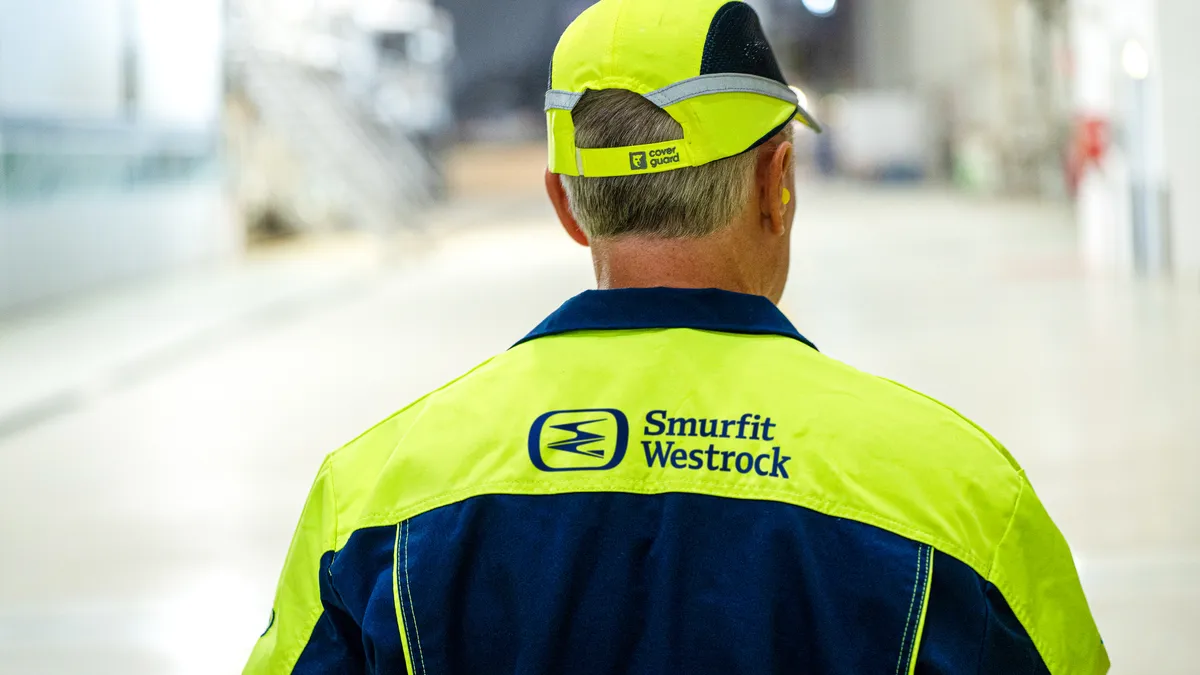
{"type": "Point", "coordinates": [640, 308]}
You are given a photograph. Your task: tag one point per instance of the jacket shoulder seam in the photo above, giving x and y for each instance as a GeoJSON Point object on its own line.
{"type": "Point", "coordinates": [984, 435]}
{"type": "Point", "coordinates": [415, 405]}
{"type": "Point", "coordinates": [411, 406]}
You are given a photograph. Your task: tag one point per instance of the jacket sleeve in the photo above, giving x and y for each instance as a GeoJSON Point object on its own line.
{"type": "Point", "coordinates": [969, 627]}
{"type": "Point", "coordinates": [1027, 617]}
{"type": "Point", "coordinates": [1034, 571]}
{"type": "Point", "coordinates": [310, 630]}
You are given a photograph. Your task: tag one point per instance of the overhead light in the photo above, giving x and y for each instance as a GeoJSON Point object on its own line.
{"type": "Point", "coordinates": [1136, 60]}
{"type": "Point", "coordinates": [821, 7]}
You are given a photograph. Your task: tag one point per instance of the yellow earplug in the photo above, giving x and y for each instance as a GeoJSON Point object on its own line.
{"type": "Point", "coordinates": [787, 197]}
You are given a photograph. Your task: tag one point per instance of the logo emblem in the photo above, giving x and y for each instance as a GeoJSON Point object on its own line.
{"type": "Point", "coordinates": [638, 161]}
{"type": "Point", "coordinates": [579, 440]}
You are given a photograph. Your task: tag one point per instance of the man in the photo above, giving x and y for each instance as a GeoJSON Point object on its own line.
{"type": "Point", "coordinates": [665, 476]}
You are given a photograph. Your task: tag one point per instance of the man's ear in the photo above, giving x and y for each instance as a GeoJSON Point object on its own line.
{"type": "Point", "coordinates": [775, 175]}
{"type": "Point", "coordinates": [562, 207]}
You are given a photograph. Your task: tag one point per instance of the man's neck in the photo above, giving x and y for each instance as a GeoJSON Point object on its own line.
{"type": "Point", "coordinates": [643, 262]}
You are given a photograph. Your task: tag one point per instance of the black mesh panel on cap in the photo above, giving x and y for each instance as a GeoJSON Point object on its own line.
{"type": "Point", "coordinates": [736, 44]}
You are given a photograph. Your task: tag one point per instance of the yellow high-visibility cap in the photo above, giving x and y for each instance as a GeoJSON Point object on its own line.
{"type": "Point", "coordinates": [707, 63]}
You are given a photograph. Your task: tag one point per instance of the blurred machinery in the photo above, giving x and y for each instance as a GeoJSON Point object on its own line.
{"type": "Point", "coordinates": [137, 136]}
{"type": "Point", "coordinates": [394, 58]}
{"type": "Point", "coordinates": [340, 113]}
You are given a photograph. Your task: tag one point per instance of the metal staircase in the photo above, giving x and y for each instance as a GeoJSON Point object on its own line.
{"type": "Point", "coordinates": [344, 164]}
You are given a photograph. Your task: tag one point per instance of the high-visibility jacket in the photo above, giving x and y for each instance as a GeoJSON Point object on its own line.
{"type": "Point", "coordinates": [676, 481]}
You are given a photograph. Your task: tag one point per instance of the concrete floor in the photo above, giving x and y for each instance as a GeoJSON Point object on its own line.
{"type": "Point", "coordinates": [157, 442]}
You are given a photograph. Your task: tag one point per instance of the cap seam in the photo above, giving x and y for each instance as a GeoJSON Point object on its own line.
{"type": "Point", "coordinates": [612, 42]}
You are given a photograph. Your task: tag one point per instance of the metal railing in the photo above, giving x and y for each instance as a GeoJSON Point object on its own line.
{"type": "Point", "coordinates": [379, 179]}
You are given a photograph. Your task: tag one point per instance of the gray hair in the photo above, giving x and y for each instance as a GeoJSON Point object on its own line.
{"type": "Point", "coordinates": [684, 203]}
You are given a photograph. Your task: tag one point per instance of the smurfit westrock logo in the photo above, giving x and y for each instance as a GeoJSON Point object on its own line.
{"type": "Point", "coordinates": [579, 440]}
{"type": "Point", "coordinates": [597, 440]}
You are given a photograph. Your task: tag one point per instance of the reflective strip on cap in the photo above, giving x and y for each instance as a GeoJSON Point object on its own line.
{"type": "Point", "coordinates": [557, 99]}
{"type": "Point", "coordinates": [704, 85]}
{"type": "Point", "coordinates": [721, 84]}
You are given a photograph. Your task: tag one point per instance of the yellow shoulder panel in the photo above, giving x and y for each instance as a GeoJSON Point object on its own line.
{"type": "Point", "coordinates": [298, 595]}
{"type": "Point", "coordinates": [355, 467]}
{"type": "Point", "coordinates": [738, 416]}
{"type": "Point", "coordinates": [855, 446]}
{"type": "Point", "coordinates": [1034, 570]}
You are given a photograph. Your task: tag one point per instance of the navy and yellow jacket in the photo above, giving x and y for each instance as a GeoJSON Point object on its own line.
{"type": "Point", "coordinates": [675, 481]}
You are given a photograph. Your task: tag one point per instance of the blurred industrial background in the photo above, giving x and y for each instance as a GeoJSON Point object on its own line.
{"type": "Point", "coordinates": [236, 233]}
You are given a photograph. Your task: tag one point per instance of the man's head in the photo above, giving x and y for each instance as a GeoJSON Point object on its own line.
{"type": "Point", "coordinates": [724, 223]}
{"type": "Point", "coordinates": [670, 145]}
{"type": "Point", "coordinates": [690, 202]}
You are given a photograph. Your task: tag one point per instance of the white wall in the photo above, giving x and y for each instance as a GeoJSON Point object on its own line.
{"type": "Point", "coordinates": [60, 58]}
{"type": "Point", "coordinates": [1155, 139]}
{"type": "Point", "coordinates": [179, 62]}
{"type": "Point", "coordinates": [1180, 52]}
{"type": "Point", "coordinates": [63, 59]}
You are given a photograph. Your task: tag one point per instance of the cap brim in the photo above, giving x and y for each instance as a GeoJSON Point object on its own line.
{"type": "Point", "coordinates": [808, 120]}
